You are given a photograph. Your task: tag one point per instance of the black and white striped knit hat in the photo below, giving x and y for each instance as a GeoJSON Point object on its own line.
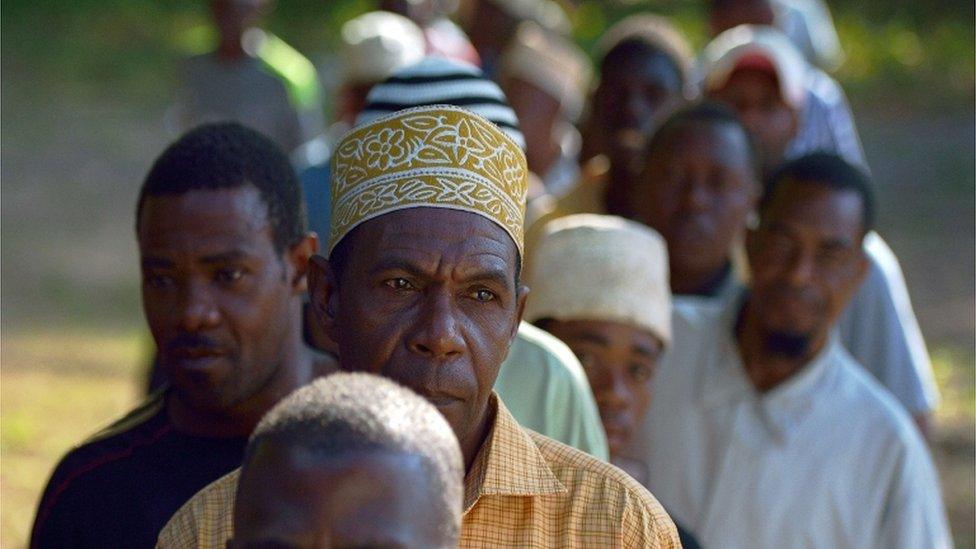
{"type": "Point", "coordinates": [442, 81]}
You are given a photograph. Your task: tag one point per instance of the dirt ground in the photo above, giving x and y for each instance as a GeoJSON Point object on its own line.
{"type": "Point", "coordinates": [70, 167]}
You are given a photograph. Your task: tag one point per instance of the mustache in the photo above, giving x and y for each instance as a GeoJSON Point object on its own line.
{"type": "Point", "coordinates": [192, 341]}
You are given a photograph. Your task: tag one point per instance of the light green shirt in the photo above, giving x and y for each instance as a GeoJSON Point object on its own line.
{"type": "Point", "coordinates": [544, 386]}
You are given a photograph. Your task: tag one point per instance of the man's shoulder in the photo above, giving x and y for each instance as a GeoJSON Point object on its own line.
{"type": "Point", "coordinates": [81, 475]}
{"type": "Point", "coordinates": [863, 397]}
{"type": "Point", "coordinates": [697, 321]}
{"type": "Point", "coordinates": [581, 472]}
{"type": "Point", "coordinates": [601, 489]}
{"type": "Point", "coordinates": [206, 520]}
{"type": "Point", "coordinates": [142, 426]}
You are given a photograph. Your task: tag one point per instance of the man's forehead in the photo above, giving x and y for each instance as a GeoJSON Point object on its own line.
{"type": "Point", "coordinates": [726, 143]}
{"type": "Point", "coordinates": [653, 67]}
{"type": "Point", "coordinates": [433, 232]}
{"type": "Point", "coordinates": [815, 206]}
{"type": "Point", "coordinates": [202, 219]}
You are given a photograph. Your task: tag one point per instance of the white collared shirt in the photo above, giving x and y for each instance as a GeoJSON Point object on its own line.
{"type": "Point", "coordinates": [826, 459]}
{"type": "Point", "coordinates": [878, 327]}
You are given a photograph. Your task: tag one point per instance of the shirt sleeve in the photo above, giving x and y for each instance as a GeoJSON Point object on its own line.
{"type": "Point", "coordinates": [880, 330]}
{"type": "Point", "coordinates": [647, 525]}
{"type": "Point", "coordinates": [63, 510]}
{"type": "Point", "coordinates": [842, 128]}
{"type": "Point", "coordinates": [914, 515]}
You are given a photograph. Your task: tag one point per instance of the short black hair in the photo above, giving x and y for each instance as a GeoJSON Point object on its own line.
{"type": "Point", "coordinates": [228, 155]}
{"type": "Point", "coordinates": [827, 169]}
{"type": "Point", "coordinates": [646, 35]}
{"type": "Point", "coordinates": [710, 113]}
{"type": "Point", "coordinates": [346, 414]}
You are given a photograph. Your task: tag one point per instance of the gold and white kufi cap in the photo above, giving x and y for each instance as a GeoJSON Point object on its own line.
{"type": "Point", "coordinates": [437, 156]}
{"type": "Point", "coordinates": [601, 267]}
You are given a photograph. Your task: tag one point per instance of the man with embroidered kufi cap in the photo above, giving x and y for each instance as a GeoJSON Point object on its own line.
{"type": "Point", "coordinates": [422, 286]}
{"type": "Point", "coordinates": [546, 78]}
{"type": "Point", "coordinates": [541, 382]}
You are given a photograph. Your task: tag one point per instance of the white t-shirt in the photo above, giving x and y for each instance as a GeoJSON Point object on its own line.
{"type": "Point", "coordinates": [827, 459]}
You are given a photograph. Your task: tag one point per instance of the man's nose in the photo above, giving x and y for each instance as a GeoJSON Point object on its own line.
{"type": "Point", "coordinates": [801, 270]}
{"type": "Point", "coordinates": [437, 334]}
{"type": "Point", "coordinates": [695, 195]}
{"type": "Point", "coordinates": [198, 309]}
{"type": "Point", "coordinates": [612, 393]}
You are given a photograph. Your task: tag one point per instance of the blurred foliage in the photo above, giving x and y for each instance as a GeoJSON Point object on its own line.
{"type": "Point", "coordinates": [922, 52]}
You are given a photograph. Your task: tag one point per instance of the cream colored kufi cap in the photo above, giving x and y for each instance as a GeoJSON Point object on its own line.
{"type": "Point", "coordinates": [551, 62]}
{"type": "Point", "coordinates": [378, 43]}
{"type": "Point", "coordinates": [437, 156]}
{"type": "Point", "coordinates": [601, 267]}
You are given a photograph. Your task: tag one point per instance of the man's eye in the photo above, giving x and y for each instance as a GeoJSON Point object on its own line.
{"type": "Point", "coordinates": [586, 360]}
{"type": "Point", "coordinates": [227, 276]}
{"type": "Point", "coordinates": [641, 372]}
{"type": "Point", "coordinates": [483, 295]}
{"type": "Point", "coordinates": [158, 281]}
{"type": "Point", "coordinates": [399, 284]}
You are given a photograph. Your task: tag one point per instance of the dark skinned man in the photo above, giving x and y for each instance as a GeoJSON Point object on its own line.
{"type": "Point", "coordinates": [350, 460]}
{"type": "Point", "coordinates": [421, 286]}
{"type": "Point", "coordinates": [224, 254]}
{"type": "Point", "coordinates": [698, 190]}
{"type": "Point", "coordinates": [601, 286]}
{"type": "Point", "coordinates": [541, 382]}
{"type": "Point", "coordinates": [644, 75]}
{"type": "Point", "coordinates": [546, 79]}
{"type": "Point", "coordinates": [763, 430]}
{"type": "Point", "coordinates": [791, 110]}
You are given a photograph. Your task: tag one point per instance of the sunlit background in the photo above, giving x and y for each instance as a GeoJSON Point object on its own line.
{"type": "Point", "coordinates": [85, 86]}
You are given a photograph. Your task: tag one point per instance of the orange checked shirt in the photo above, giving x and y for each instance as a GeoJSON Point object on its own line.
{"type": "Point", "coordinates": [523, 490]}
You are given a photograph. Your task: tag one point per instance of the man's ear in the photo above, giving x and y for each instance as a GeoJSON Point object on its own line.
{"type": "Point", "coordinates": [795, 123]}
{"type": "Point", "coordinates": [521, 293]}
{"type": "Point", "coordinates": [752, 244]}
{"type": "Point", "coordinates": [863, 266]}
{"type": "Point", "coordinates": [298, 256]}
{"type": "Point", "coordinates": [323, 290]}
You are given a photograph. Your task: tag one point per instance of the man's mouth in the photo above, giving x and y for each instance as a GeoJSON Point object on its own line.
{"type": "Point", "coordinates": [193, 358]}
{"type": "Point", "coordinates": [441, 400]}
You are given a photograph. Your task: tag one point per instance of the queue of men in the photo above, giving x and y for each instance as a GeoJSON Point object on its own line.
{"type": "Point", "coordinates": [521, 314]}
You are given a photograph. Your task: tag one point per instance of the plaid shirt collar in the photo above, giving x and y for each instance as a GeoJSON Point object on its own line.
{"type": "Point", "coordinates": [509, 463]}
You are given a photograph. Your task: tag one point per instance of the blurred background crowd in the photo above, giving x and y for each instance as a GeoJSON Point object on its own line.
{"type": "Point", "coordinates": [92, 91]}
